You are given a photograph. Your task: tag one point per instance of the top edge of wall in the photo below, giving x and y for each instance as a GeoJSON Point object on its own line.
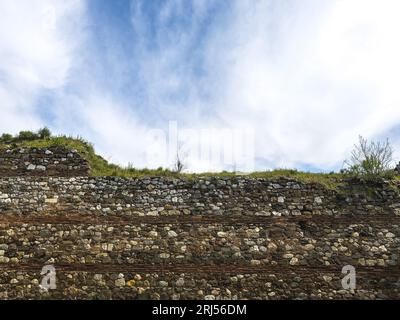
{"type": "Point", "coordinates": [50, 161]}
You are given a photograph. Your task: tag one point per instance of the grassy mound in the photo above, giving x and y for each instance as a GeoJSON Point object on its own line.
{"type": "Point", "coordinates": [101, 167]}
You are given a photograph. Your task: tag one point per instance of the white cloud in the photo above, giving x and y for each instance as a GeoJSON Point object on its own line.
{"type": "Point", "coordinates": [36, 53]}
{"type": "Point", "coordinates": [118, 134]}
{"type": "Point", "coordinates": [309, 81]}
{"type": "Point", "coordinates": [307, 77]}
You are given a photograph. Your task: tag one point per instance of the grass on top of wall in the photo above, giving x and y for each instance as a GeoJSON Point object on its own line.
{"type": "Point", "coordinates": [101, 167]}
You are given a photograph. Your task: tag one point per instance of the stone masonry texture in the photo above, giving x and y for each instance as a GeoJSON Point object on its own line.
{"type": "Point", "coordinates": [202, 238]}
{"type": "Point", "coordinates": [55, 161]}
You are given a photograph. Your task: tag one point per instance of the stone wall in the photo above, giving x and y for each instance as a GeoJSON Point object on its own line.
{"type": "Point", "coordinates": [54, 161]}
{"type": "Point", "coordinates": [206, 238]}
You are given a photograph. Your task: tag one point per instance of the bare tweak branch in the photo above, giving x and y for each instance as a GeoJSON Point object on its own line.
{"type": "Point", "coordinates": [179, 164]}
{"type": "Point", "coordinates": [370, 158]}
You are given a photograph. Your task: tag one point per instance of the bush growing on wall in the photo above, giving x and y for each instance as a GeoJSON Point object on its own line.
{"type": "Point", "coordinates": [6, 137]}
{"type": "Point", "coordinates": [44, 133]}
{"type": "Point", "coordinates": [370, 159]}
{"type": "Point", "coordinates": [41, 134]}
{"type": "Point", "coordinates": [27, 135]}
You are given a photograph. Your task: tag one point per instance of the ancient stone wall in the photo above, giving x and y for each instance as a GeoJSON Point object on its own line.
{"type": "Point", "coordinates": [54, 161]}
{"type": "Point", "coordinates": [206, 238]}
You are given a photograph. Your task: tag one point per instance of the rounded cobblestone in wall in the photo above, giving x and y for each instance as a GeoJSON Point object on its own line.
{"type": "Point", "coordinates": [52, 161]}
{"type": "Point", "coordinates": [203, 238]}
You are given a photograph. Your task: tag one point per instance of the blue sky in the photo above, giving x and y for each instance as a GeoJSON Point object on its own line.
{"type": "Point", "coordinates": [304, 77]}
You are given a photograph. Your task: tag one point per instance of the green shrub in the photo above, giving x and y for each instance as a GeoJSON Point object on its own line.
{"type": "Point", "coordinates": [370, 159]}
{"type": "Point", "coordinates": [27, 136]}
{"type": "Point", "coordinates": [44, 133]}
{"type": "Point", "coordinates": [6, 137]}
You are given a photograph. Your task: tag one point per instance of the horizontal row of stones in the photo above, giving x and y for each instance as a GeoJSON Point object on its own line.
{"type": "Point", "coordinates": [53, 160]}
{"type": "Point", "coordinates": [285, 245]}
{"type": "Point", "coordinates": [83, 285]}
{"type": "Point", "coordinates": [165, 196]}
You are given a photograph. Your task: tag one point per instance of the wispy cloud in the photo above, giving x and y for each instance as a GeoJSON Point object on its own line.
{"type": "Point", "coordinates": [307, 76]}
{"type": "Point", "coordinates": [36, 53]}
